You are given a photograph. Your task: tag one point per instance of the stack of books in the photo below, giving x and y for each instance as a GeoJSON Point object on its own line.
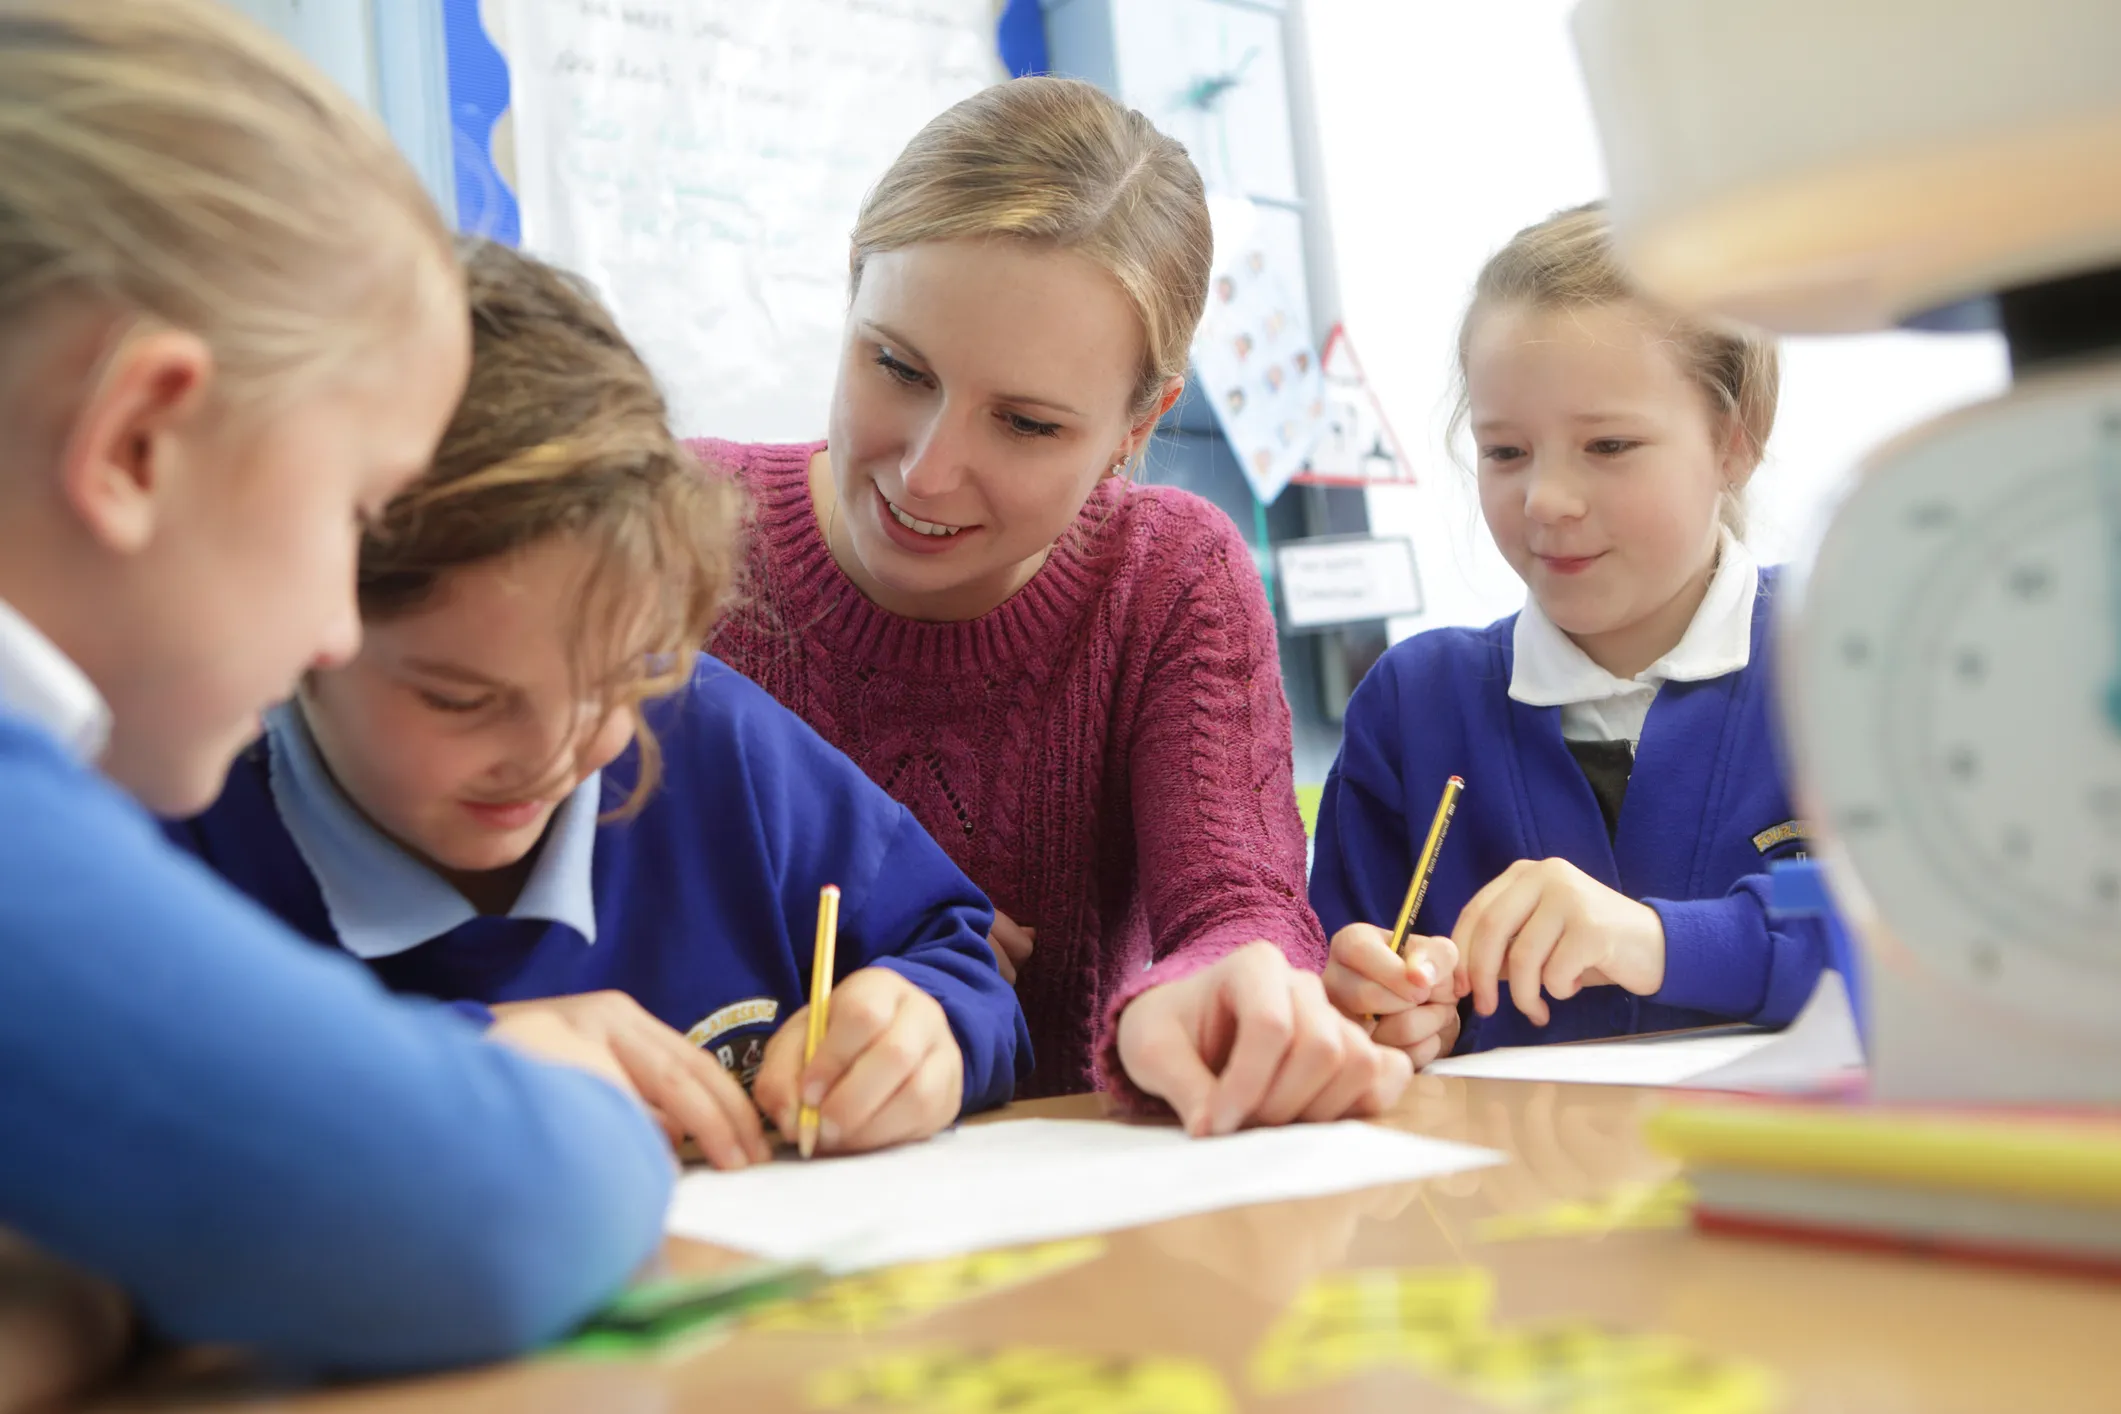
{"type": "Point", "coordinates": [2041, 1189]}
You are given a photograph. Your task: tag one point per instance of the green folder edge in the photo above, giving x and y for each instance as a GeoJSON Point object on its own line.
{"type": "Point", "coordinates": [648, 1318]}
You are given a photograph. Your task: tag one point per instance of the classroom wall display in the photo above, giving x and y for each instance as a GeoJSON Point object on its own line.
{"type": "Point", "coordinates": [1253, 356]}
{"type": "Point", "coordinates": [1213, 75]}
{"type": "Point", "coordinates": [702, 162]}
{"type": "Point", "coordinates": [1346, 579]}
{"type": "Point", "coordinates": [1357, 446]}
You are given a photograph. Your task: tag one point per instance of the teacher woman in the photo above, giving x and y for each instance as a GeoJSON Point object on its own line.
{"type": "Point", "coordinates": [1068, 678]}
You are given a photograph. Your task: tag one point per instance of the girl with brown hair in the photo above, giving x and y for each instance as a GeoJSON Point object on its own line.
{"type": "Point", "coordinates": [1607, 873]}
{"type": "Point", "coordinates": [528, 792]}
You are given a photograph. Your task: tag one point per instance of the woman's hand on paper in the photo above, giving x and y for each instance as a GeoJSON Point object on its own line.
{"type": "Point", "coordinates": [689, 1092]}
{"type": "Point", "coordinates": [1550, 930]}
{"type": "Point", "coordinates": [1012, 943]}
{"type": "Point", "coordinates": [1251, 1040]}
{"type": "Point", "coordinates": [889, 1070]}
{"type": "Point", "coordinates": [1409, 1003]}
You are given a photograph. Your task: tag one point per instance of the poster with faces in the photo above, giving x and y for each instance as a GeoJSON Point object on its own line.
{"type": "Point", "coordinates": [1254, 363]}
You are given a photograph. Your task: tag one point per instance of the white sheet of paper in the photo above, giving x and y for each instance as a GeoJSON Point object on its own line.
{"type": "Point", "coordinates": [1818, 1048]}
{"type": "Point", "coordinates": [1033, 1180]}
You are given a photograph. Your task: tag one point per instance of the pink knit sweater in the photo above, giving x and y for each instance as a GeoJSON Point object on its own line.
{"type": "Point", "coordinates": [1106, 754]}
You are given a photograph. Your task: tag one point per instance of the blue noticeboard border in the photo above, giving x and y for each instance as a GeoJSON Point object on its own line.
{"type": "Point", "coordinates": [478, 96]}
{"type": "Point", "coordinates": [1020, 34]}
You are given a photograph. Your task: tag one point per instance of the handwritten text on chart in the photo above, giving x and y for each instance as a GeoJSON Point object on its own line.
{"type": "Point", "coordinates": [702, 163]}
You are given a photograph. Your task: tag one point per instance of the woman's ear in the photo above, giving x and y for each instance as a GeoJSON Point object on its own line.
{"type": "Point", "coordinates": [1163, 404]}
{"type": "Point", "coordinates": [1138, 435]}
{"type": "Point", "coordinates": [124, 452]}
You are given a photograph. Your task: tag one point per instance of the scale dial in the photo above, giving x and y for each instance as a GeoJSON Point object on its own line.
{"type": "Point", "coordinates": [1947, 681]}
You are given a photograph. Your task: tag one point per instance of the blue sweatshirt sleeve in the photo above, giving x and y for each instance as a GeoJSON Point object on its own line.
{"type": "Point", "coordinates": [1362, 851]}
{"type": "Point", "coordinates": [904, 904]}
{"type": "Point", "coordinates": [1729, 956]}
{"type": "Point", "coordinates": [259, 1144]}
{"type": "Point", "coordinates": [922, 918]}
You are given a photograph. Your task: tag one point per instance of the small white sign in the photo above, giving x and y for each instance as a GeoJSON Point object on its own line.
{"type": "Point", "coordinates": [1345, 580]}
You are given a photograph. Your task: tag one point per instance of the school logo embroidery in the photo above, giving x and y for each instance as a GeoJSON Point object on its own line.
{"type": "Point", "coordinates": [739, 1055]}
{"type": "Point", "coordinates": [1782, 834]}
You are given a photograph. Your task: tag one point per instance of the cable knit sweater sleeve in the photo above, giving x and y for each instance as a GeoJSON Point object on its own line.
{"type": "Point", "coordinates": [1219, 842]}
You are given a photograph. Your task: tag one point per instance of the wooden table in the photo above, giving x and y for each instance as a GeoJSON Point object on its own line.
{"type": "Point", "coordinates": [1841, 1330]}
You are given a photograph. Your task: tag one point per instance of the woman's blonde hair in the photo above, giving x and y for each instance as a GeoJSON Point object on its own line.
{"type": "Point", "coordinates": [176, 163]}
{"type": "Point", "coordinates": [562, 430]}
{"type": "Point", "coordinates": [1567, 262]}
{"type": "Point", "coordinates": [1058, 162]}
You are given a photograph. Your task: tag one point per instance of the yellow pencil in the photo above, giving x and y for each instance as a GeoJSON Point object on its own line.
{"type": "Point", "coordinates": [1445, 809]}
{"type": "Point", "coordinates": [828, 931]}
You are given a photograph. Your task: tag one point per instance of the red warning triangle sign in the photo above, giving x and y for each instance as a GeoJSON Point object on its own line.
{"type": "Point", "coordinates": [1358, 446]}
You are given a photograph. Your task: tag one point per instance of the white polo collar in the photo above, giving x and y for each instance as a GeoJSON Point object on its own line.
{"type": "Point", "coordinates": [382, 901]}
{"type": "Point", "coordinates": [1549, 670]}
{"type": "Point", "coordinates": [41, 683]}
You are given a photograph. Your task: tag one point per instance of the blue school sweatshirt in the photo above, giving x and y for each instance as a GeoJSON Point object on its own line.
{"type": "Point", "coordinates": [703, 906]}
{"type": "Point", "coordinates": [1706, 812]}
{"type": "Point", "coordinates": [256, 1141]}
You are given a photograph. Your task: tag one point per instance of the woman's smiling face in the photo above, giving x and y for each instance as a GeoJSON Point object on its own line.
{"type": "Point", "coordinates": [985, 388]}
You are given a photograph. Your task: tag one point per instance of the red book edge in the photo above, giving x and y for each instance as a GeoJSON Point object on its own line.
{"type": "Point", "coordinates": [1972, 1250]}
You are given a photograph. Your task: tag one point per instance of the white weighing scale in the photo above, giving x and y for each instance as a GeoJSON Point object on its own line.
{"type": "Point", "coordinates": [1951, 656]}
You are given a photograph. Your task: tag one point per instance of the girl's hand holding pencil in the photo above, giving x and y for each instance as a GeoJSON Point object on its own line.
{"type": "Point", "coordinates": [1394, 983]}
{"type": "Point", "coordinates": [888, 1069]}
{"type": "Point", "coordinates": [1409, 1003]}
